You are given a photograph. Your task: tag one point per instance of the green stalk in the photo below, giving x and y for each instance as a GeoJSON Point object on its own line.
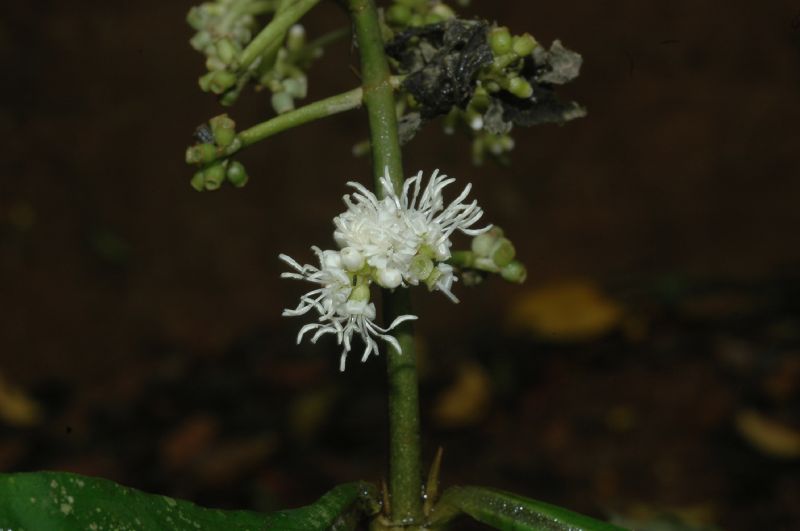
{"type": "Point", "coordinates": [274, 31]}
{"type": "Point", "coordinates": [313, 111]}
{"type": "Point", "coordinates": [405, 478]}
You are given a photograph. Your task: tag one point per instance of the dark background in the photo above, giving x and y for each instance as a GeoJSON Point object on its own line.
{"type": "Point", "coordinates": [141, 320]}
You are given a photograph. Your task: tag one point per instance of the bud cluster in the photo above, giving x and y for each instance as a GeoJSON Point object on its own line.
{"type": "Point", "coordinates": [216, 140]}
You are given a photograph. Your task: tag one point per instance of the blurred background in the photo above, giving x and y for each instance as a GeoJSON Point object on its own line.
{"type": "Point", "coordinates": [648, 368]}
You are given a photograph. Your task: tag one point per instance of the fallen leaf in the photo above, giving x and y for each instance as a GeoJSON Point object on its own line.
{"type": "Point", "coordinates": [16, 408]}
{"type": "Point", "coordinates": [767, 435]}
{"type": "Point", "coordinates": [466, 401]}
{"type": "Point", "coordinates": [570, 310]}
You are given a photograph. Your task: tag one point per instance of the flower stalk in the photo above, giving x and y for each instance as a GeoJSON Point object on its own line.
{"type": "Point", "coordinates": [405, 477]}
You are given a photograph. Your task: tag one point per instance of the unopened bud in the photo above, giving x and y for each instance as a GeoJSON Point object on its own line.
{"type": "Point", "coordinates": [524, 44]}
{"type": "Point", "coordinates": [282, 102]}
{"type": "Point", "coordinates": [352, 259]}
{"type": "Point", "coordinates": [389, 278]}
{"type": "Point", "coordinates": [226, 50]}
{"type": "Point", "coordinates": [360, 293]}
{"type": "Point", "coordinates": [224, 130]}
{"type": "Point", "coordinates": [236, 174]}
{"type": "Point", "coordinates": [421, 266]}
{"type": "Point", "coordinates": [503, 252]}
{"type": "Point", "coordinates": [221, 80]}
{"type": "Point", "coordinates": [198, 181]}
{"type": "Point", "coordinates": [482, 244]}
{"type": "Point", "coordinates": [514, 272]}
{"type": "Point", "coordinates": [214, 175]}
{"type": "Point", "coordinates": [296, 38]}
{"type": "Point", "coordinates": [520, 88]}
{"type": "Point", "coordinates": [500, 40]}
{"type": "Point", "coordinates": [201, 153]}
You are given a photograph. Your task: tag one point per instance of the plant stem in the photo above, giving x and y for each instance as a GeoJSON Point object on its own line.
{"type": "Point", "coordinates": [274, 31]}
{"type": "Point", "coordinates": [313, 111]}
{"type": "Point", "coordinates": [405, 478]}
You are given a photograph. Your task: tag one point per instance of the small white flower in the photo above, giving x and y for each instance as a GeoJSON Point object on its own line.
{"type": "Point", "coordinates": [393, 232]}
{"type": "Point", "coordinates": [344, 309]}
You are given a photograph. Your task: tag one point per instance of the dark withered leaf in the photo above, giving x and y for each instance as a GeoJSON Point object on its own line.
{"type": "Point", "coordinates": [544, 70]}
{"type": "Point", "coordinates": [564, 65]}
{"type": "Point", "coordinates": [407, 126]}
{"type": "Point", "coordinates": [545, 108]}
{"type": "Point", "coordinates": [442, 62]}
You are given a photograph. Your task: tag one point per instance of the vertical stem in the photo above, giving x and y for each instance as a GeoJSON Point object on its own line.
{"type": "Point", "coordinates": [405, 478]}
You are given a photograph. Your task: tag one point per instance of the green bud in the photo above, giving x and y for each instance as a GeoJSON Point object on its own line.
{"type": "Point", "coordinates": [230, 97]}
{"type": "Point", "coordinates": [503, 252]}
{"type": "Point", "coordinates": [224, 130]}
{"type": "Point", "coordinates": [282, 102]}
{"type": "Point", "coordinates": [214, 63]}
{"type": "Point", "coordinates": [221, 80]}
{"type": "Point", "coordinates": [201, 153]}
{"type": "Point", "coordinates": [398, 14]}
{"type": "Point", "coordinates": [360, 293]}
{"type": "Point", "coordinates": [416, 20]}
{"type": "Point", "coordinates": [297, 87]}
{"type": "Point", "coordinates": [523, 44]}
{"type": "Point", "coordinates": [236, 174]}
{"type": "Point", "coordinates": [432, 279]}
{"type": "Point", "coordinates": [195, 18]}
{"type": "Point", "coordinates": [432, 18]}
{"type": "Point", "coordinates": [226, 50]}
{"type": "Point", "coordinates": [482, 244]}
{"type": "Point", "coordinates": [520, 88]}
{"type": "Point", "coordinates": [296, 38]}
{"type": "Point", "coordinates": [443, 11]}
{"type": "Point", "coordinates": [214, 175]}
{"type": "Point", "coordinates": [205, 81]}
{"type": "Point", "coordinates": [462, 259]}
{"type": "Point", "coordinates": [198, 181]}
{"type": "Point", "coordinates": [500, 40]}
{"type": "Point", "coordinates": [514, 272]}
{"type": "Point", "coordinates": [421, 266]}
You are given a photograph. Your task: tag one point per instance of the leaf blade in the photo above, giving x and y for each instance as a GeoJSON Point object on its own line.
{"type": "Point", "coordinates": [70, 502]}
{"type": "Point", "coordinates": [510, 512]}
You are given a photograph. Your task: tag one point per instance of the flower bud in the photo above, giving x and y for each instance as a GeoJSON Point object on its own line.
{"type": "Point", "coordinates": [214, 175]}
{"type": "Point", "coordinates": [224, 130]}
{"type": "Point", "coordinates": [226, 50]}
{"type": "Point", "coordinates": [352, 259]}
{"type": "Point", "coordinates": [236, 174]}
{"type": "Point", "coordinates": [282, 102]}
{"type": "Point", "coordinates": [520, 88]}
{"type": "Point", "coordinates": [503, 252]}
{"type": "Point", "coordinates": [201, 153]}
{"type": "Point", "coordinates": [198, 181]}
{"type": "Point", "coordinates": [296, 87]}
{"type": "Point", "coordinates": [500, 40]}
{"type": "Point", "coordinates": [523, 44]}
{"type": "Point", "coordinates": [360, 293]}
{"type": "Point", "coordinates": [296, 38]}
{"type": "Point", "coordinates": [221, 80]}
{"type": "Point", "coordinates": [514, 272]}
{"type": "Point", "coordinates": [204, 81]}
{"type": "Point", "coordinates": [482, 244]}
{"type": "Point", "coordinates": [421, 267]}
{"type": "Point", "coordinates": [389, 278]}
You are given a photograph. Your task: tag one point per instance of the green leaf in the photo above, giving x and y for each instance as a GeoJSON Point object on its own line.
{"type": "Point", "coordinates": [510, 512]}
{"type": "Point", "coordinates": [69, 502]}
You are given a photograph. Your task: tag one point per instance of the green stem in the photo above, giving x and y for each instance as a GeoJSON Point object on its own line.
{"type": "Point", "coordinates": [405, 478]}
{"type": "Point", "coordinates": [313, 111]}
{"type": "Point", "coordinates": [274, 31]}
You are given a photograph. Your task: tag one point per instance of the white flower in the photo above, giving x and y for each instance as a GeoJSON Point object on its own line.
{"type": "Point", "coordinates": [344, 309]}
{"type": "Point", "coordinates": [392, 232]}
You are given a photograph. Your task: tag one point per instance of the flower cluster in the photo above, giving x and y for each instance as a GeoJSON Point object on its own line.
{"type": "Point", "coordinates": [399, 240]}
